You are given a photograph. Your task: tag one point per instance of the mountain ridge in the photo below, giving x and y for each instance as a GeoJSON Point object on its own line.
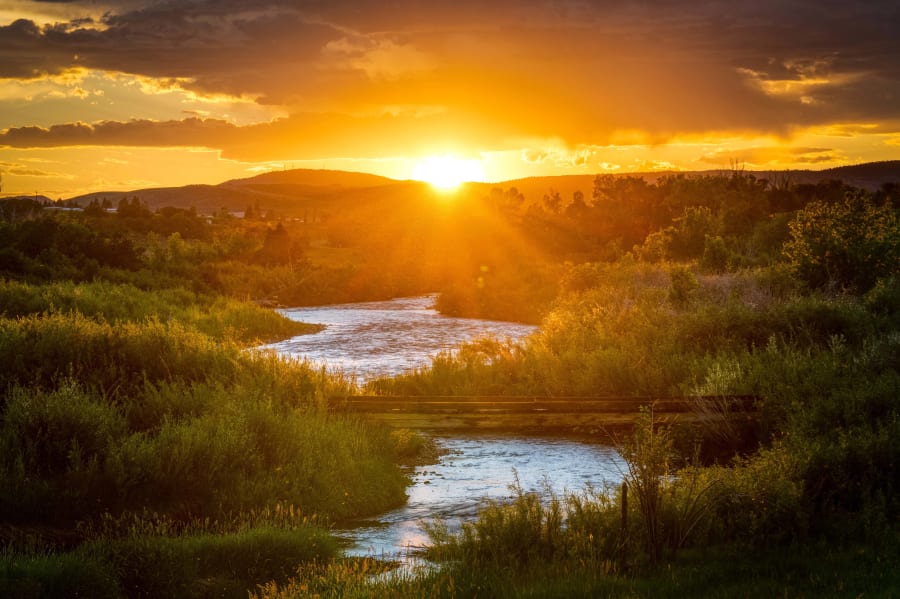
{"type": "Point", "coordinates": [317, 188]}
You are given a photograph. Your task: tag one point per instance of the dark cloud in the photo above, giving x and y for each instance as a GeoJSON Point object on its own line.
{"type": "Point", "coordinates": [188, 132]}
{"type": "Point", "coordinates": [301, 136]}
{"type": "Point", "coordinates": [587, 72]}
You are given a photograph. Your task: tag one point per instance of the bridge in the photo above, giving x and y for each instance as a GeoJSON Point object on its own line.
{"type": "Point", "coordinates": [547, 414]}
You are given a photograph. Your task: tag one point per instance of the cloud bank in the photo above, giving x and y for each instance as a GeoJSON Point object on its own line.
{"type": "Point", "coordinates": [372, 79]}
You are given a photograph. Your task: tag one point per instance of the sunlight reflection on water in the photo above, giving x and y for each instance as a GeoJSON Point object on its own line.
{"type": "Point", "coordinates": [480, 468]}
{"type": "Point", "coordinates": [374, 339]}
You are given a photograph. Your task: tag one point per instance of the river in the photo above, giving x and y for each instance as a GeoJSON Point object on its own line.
{"type": "Point", "coordinates": [477, 469]}
{"type": "Point", "coordinates": [374, 339]}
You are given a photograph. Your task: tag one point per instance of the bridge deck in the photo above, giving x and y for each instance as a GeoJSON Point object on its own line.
{"type": "Point", "coordinates": [545, 414]}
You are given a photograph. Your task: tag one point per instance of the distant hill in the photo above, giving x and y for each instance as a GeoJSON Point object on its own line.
{"type": "Point", "coordinates": [283, 192]}
{"type": "Point", "coordinates": [870, 175]}
{"type": "Point", "coordinates": [312, 178]}
{"type": "Point", "coordinates": [298, 190]}
{"type": "Point", "coordinates": [205, 198]}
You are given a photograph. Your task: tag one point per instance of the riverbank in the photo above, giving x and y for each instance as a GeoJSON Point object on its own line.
{"type": "Point", "coordinates": [144, 457]}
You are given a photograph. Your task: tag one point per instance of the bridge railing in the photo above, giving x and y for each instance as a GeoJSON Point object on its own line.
{"type": "Point", "coordinates": [489, 404]}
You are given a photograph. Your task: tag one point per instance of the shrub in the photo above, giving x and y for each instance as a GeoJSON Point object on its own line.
{"type": "Point", "coordinates": [684, 284]}
{"type": "Point", "coordinates": [715, 256]}
{"type": "Point", "coordinates": [849, 244]}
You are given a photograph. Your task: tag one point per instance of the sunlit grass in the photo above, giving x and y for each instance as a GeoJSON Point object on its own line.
{"type": "Point", "coordinates": [218, 316]}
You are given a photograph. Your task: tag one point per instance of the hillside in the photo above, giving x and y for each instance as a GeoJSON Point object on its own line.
{"type": "Point", "coordinates": [311, 178]}
{"type": "Point", "coordinates": [296, 191]}
{"type": "Point", "coordinates": [870, 175]}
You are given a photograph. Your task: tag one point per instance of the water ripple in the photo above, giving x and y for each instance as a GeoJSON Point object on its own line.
{"type": "Point", "coordinates": [386, 338]}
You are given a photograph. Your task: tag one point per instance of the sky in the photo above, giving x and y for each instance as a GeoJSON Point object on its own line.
{"type": "Point", "coordinates": [127, 94]}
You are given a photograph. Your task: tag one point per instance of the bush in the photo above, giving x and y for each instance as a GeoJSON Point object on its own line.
{"type": "Point", "coordinates": [715, 256]}
{"type": "Point", "coordinates": [684, 284]}
{"type": "Point", "coordinates": [847, 244]}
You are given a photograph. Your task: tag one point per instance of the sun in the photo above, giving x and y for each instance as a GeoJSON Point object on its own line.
{"type": "Point", "coordinates": [447, 172]}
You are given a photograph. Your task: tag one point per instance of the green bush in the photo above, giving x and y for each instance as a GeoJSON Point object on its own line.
{"type": "Point", "coordinates": [852, 243]}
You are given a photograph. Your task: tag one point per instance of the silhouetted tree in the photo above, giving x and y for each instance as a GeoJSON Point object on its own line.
{"type": "Point", "coordinates": [132, 208]}
{"type": "Point", "coordinates": [18, 209]}
{"type": "Point", "coordinates": [94, 209]}
{"type": "Point", "coordinates": [552, 202]}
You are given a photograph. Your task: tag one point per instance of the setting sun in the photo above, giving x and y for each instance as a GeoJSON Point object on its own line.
{"type": "Point", "coordinates": [447, 172]}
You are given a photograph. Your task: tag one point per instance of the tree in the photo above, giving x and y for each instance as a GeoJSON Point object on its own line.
{"type": "Point", "coordinates": [850, 244]}
{"type": "Point", "coordinates": [578, 208]}
{"type": "Point", "coordinates": [94, 209]}
{"type": "Point", "coordinates": [691, 230]}
{"type": "Point", "coordinates": [18, 209]}
{"type": "Point", "coordinates": [279, 247]}
{"type": "Point", "coordinates": [552, 202]}
{"type": "Point", "coordinates": [132, 208]}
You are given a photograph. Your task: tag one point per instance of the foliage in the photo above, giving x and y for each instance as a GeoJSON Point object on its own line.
{"type": "Point", "coordinates": [716, 257]}
{"type": "Point", "coordinates": [851, 243]}
{"type": "Point", "coordinates": [684, 284]}
{"type": "Point", "coordinates": [46, 247]}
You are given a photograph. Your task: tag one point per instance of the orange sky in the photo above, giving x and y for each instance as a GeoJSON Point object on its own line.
{"type": "Point", "coordinates": [119, 95]}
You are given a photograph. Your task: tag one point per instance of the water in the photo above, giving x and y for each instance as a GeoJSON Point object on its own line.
{"type": "Point", "coordinates": [374, 339]}
{"type": "Point", "coordinates": [478, 469]}
{"type": "Point", "coordinates": [386, 338]}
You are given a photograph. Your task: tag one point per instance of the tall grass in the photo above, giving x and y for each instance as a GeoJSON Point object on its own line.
{"type": "Point", "coordinates": [121, 358]}
{"type": "Point", "coordinates": [120, 417]}
{"type": "Point", "coordinates": [69, 454]}
{"type": "Point", "coordinates": [152, 556]}
{"type": "Point", "coordinates": [626, 336]}
{"type": "Point", "coordinates": [721, 572]}
{"type": "Point", "coordinates": [217, 316]}
{"type": "Point", "coordinates": [103, 420]}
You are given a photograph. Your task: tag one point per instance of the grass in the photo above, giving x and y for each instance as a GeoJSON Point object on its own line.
{"type": "Point", "coordinates": [166, 563]}
{"type": "Point", "coordinates": [102, 419]}
{"type": "Point", "coordinates": [809, 571]}
{"type": "Point", "coordinates": [216, 316]}
{"type": "Point", "coordinates": [522, 550]}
